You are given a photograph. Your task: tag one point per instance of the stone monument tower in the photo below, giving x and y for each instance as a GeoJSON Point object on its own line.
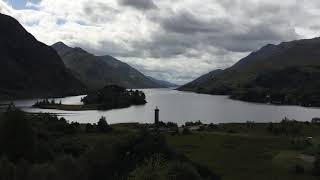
{"type": "Point", "coordinates": [156, 115]}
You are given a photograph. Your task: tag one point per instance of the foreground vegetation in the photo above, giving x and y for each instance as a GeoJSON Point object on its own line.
{"type": "Point", "coordinates": [45, 147]}
{"type": "Point", "coordinates": [251, 151]}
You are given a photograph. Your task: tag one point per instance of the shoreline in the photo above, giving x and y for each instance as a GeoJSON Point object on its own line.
{"type": "Point", "coordinates": [73, 107]}
{"type": "Point", "coordinates": [248, 101]}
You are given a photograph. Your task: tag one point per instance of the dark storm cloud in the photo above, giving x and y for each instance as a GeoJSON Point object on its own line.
{"type": "Point", "coordinates": [185, 22]}
{"type": "Point", "coordinates": [167, 45]}
{"type": "Point", "coordinates": [139, 4]}
{"type": "Point", "coordinates": [184, 31]}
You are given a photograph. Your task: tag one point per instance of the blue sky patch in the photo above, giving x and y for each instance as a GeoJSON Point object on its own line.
{"type": "Point", "coordinates": [20, 4]}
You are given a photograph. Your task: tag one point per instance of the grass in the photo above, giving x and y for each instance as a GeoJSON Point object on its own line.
{"type": "Point", "coordinates": [233, 151]}
{"type": "Point", "coordinates": [120, 131]}
{"type": "Point", "coordinates": [243, 156]}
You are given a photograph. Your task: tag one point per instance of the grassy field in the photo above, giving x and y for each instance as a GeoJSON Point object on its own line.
{"type": "Point", "coordinates": [243, 152]}
{"type": "Point", "coordinates": [237, 151]}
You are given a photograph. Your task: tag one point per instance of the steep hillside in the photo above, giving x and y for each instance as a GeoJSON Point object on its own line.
{"type": "Point", "coordinates": [202, 79]}
{"type": "Point", "coordinates": [29, 68]}
{"type": "Point", "coordinates": [269, 62]}
{"type": "Point", "coordinates": [99, 71]}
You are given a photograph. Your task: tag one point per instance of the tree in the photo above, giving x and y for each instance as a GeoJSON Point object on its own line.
{"type": "Point", "coordinates": [17, 139]}
{"type": "Point", "coordinates": [7, 169]}
{"type": "Point", "coordinates": [316, 166]}
{"type": "Point", "coordinates": [103, 126]}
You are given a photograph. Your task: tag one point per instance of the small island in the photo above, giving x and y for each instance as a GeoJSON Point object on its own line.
{"type": "Point", "coordinates": [109, 97]}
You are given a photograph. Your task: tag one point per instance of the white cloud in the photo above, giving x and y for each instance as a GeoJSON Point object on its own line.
{"type": "Point", "coordinates": [175, 40]}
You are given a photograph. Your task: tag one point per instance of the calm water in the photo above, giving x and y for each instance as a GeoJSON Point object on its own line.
{"type": "Point", "coordinates": [181, 107]}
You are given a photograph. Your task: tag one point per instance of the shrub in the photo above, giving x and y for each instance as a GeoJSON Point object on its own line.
{"type": "Point", "coordinates": [298, 169]}
{"type": "Point", "coordinates": [213, 126]}
{"type": "Point", "coordinates": [7, 169]}
{"type": "Point", "coordinates": [186, 131]}
{"type": "Point", "coordinates": [103, 126]}
{"type": "Point", "coordinates": [17, 138]}
{"type": "Point", "coordinates": [90, 128]}
{"type": "Point", "coordinates": [153, 168]}
{"type": "Point", "coordinates": [182, 171]}
{"type": "Point", "coordinates": [197, 123]}
{"type": "Point", "coordinates": [316, 166]}
{"type": "Point", "coordinates": [157, 168]}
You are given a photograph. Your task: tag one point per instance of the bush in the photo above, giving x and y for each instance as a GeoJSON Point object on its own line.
{"type": "Point", "coordinates": [17, 138]}
{"type": "Point", "coordinates": [182, 171]}
{"type": "Point", "coordinates": [186, 131]}
{"type": "Point", "coordinates": [103, 126]}
{"type": "Point", "coordinates": [90, 128]}
{"type": "Point", "coordinates": [298, 169]}
{"type": "Point", "coordinates": [316, 166]}
{"type": "Point", "coordinates": [151, 169]}
{"type": "Point", "coordinates": [213, 126]}
{"type": "Point", "coordinates": [68, 168]}
{"type": "Point", "coordinates": [7, 169]}
{"type": "Point", "coordinates": [158, 168]}
{"type": "Point", "coordinates": [300, 143]}
{"type": "Point", "coordinates": [198, 123]}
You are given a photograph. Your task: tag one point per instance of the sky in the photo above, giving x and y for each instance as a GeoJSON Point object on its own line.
{"type": "Point", "coordinates": [174, 40]}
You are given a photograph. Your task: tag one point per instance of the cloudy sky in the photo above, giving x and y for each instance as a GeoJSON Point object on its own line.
{"type": "Point", "coordinates": [175, 40]}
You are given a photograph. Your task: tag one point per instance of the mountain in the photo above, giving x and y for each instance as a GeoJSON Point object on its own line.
{"type": "Point", "coordinates": [29, 68]}
{"type": "Point", "coordinates": [163, 83]}
{"type": "Point", "coordinates": [98, 71]}
{"type": "Point", "coordinates": [284, 74]}
{"type": "Point", "coordinates": [202, 79]}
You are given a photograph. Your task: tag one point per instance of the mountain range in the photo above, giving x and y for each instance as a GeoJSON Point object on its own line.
{"type": "Point", "coordinates": [287, 73]}
{"type": "Point", "coordinates": [163, 83]}
{"type": "Point", "coordinates": [29, 68]}
{"type": "Point", "coordinates": [98, 71]}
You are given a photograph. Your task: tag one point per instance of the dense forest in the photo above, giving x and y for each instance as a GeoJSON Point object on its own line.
{"type": "Point", "coordinates": [107, 98]}
{"type": "Point", "coordinates": [111, 97]}
{"type": "Point", "coordinates": [296, 85]}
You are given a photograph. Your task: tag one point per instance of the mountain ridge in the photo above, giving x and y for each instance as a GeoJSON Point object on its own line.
{"type": "Point", "coordinates": [29, 68]}
{"type": "Point", "coordinates": [99, 71]}
{"type": "Point", "coordinates": [241, 78]}
{"type": "Point", "coordinates": [163, 82]}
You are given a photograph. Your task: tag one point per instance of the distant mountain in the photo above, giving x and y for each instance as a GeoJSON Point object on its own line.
{"type": "Point", "coordinates": [98, 71]}
{"type": "Point", "coordinates": [285, 74]}
{"type": "Point", "coordinates": [202, 79]}
{"type": "Point", "coordinates": [29, 68]}
{"type": "Point", "coordinates": [163, 83]}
